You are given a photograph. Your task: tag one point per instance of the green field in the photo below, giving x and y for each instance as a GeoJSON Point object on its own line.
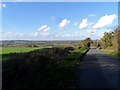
{"type": "Point", "coordinates": [7, 50]}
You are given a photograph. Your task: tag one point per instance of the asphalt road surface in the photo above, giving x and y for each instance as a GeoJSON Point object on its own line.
{"type": "Point", "coordinates": [98, 70]}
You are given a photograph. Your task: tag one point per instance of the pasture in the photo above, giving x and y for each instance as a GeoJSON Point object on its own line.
{"type": "Point", "coordinates": [5, 51]}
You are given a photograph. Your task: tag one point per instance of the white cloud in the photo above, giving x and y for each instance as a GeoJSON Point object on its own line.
{"type": "Point", "coordinates": [2, 5]}
{"type": "Point", "coordinates": [35, 34]}
{"type": "Point", "coordinates": [12, 35]}
{"type": "Point", "coordinates": [99, 35]}
{"type": "Point", "coordinates": [68, 35]}
{"type": "Point", "coordinates": [102, 34]}
{"type": "Point", "coordinates": [44, 28]}
{"type": "Point", "coordinates": [64, 23]}
{"type": "Point", "coordinates": [91, 15]}
{"type": "Point", "coordinates": [91, 31]}
{"type": "Point", "coordinates": [84, 24]}
{"type": "Point", "coordinates": [104, 21]}
{"type": "Point", "coordinates": [42, 31]}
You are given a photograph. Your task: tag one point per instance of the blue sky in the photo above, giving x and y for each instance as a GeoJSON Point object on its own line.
{"type": "Point", "coordinates": [57, 21]}
{"type": "Point", "coordinates": [60, 0]}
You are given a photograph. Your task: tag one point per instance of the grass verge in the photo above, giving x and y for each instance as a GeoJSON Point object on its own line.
{"type": "Point", "coordinates": [111, 52]}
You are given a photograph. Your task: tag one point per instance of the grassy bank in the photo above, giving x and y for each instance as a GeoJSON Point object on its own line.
{"type": "Point", "coordinates": [48, 68]}
{"type": "Point", "coordinates": [111, 52]}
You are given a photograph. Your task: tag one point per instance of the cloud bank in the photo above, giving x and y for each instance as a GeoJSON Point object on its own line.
{"type": "Point", "coordinates": [44, 31]}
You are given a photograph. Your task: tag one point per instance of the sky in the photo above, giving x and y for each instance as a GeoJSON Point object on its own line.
{"type": "Point", "coordinates": [57, 20]}
{"type": "Point", "coordinates": [60, 0]}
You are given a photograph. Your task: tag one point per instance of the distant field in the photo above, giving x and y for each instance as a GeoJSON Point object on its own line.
{"type": "Point", "coordinates": [7, 50]}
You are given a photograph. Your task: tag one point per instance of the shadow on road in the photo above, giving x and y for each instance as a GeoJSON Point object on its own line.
{"type": "Point", "coordinates": [98, 70]}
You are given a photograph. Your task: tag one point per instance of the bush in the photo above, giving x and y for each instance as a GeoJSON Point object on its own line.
{"type": "Point", "coordinates": [40, 69]}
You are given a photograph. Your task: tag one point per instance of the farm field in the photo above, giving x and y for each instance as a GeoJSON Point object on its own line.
{"type": "Point", "coordinates": [7, 50]}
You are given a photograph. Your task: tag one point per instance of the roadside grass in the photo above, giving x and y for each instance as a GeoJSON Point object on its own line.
{"type": "Point", "coordinates": [76, 54]}
{"type": "Point", "coordinates": [65, 70]}
{"type": "Point", "coordinates": [112, 52]}
{"type": "Point", "coordinates": [33, 71]}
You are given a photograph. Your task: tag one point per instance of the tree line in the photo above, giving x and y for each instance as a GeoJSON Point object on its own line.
{"type": "Point", "coordinates": [109, 41]}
